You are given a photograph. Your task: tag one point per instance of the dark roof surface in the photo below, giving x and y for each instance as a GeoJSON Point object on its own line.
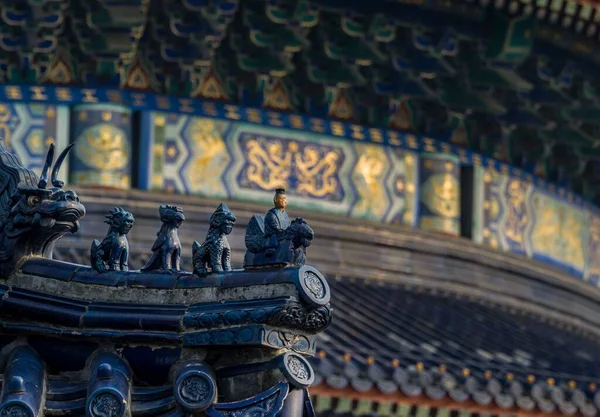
{"type": "Point", "coordinates": [387, 337]}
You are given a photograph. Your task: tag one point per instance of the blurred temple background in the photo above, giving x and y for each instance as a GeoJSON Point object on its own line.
{"type": "Point", "coordinates": [446, 153]}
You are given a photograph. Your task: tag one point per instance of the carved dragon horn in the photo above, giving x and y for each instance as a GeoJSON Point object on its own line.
{"type": "Point", "coordinates": [55, 182]}
{"type": "Point", "coordinates": [49, 158]}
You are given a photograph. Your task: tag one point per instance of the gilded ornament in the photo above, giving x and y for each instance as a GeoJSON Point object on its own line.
{"type": "Point", "coordinates": [35, 143]}
{"type": "Point", "coordinates": [594, 261]}
{"type": "Point", "coordinates": [400, 185]}
{"type": "Point", "coordinates": [60, 73]}
{"type": "Point", "coordinates": [558, 231]}
{"type": "Point", "coordinates": [276, 96]}
{"type": "Point", "coordinates": [272, 163]}
{"type": "Point", "coordinates": [296, 122]}
{"type": "Point", "coordinates": [517, 218]}
{"type": "Point", "coordinates": [210, 86]}
{"type": "Point", "coordinates": [14, 93]}
{"type": "Point", "coordinates": [159, 121]}
{"type": "Point", "coordinates": [210, 156]}
{"type": "Point", "coordinates": [368, 177]}
{"type": "Point", "coordinates": [441, 195]}
{"type": "Point", "coordinates": [103, 147]}
{"type": "Point", "coordinates": [137, 78]}
{"type": "Point", "coordinates": [394, 139]}
{"type": "Point", "coordinates": [5, 129]}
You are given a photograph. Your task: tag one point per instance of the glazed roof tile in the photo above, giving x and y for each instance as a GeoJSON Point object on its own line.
{"type": "Point", "coordinates": [396, 340]}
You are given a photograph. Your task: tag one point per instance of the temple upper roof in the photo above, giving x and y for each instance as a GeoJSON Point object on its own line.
{"type": "Point", "coordinates": [513, 80]}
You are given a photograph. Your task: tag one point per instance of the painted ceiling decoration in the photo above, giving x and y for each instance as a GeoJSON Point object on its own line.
{"type": "Point", "coordinates": [514, 80]}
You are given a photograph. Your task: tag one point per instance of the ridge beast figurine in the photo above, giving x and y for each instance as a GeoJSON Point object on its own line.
{"type": "Point", "coordinates": [214, 255]}
{"type": "Point", "coordinates": [113, 253]}
{"type": "Point", "coordinates": [167, 247]}
{"type": "Point", "coordinates": [33, 216]}
{"type": "Point", "coordinates": [274, 240]}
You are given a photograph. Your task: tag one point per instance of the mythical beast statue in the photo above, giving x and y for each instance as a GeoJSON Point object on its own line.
{"type": "Point", "coordinates": [167, 246]}
{"type": "Point", "coordinates": [214, 255]}
{"type": "Point", "coordinates": [291, 244]}
{"type": "Point", "coordinates": [33, 215]}
{"type": "Point", "coordinates": [112, 254]}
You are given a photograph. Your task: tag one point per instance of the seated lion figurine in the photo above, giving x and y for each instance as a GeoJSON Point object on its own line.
{"type": "Point", "coordinates": [291, 249]}
{"type": "Point", "coordinates": [214, 255]}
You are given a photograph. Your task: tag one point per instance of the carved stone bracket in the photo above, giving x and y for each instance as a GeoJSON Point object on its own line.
{"type": "Point", "coordinates": [296, 316]}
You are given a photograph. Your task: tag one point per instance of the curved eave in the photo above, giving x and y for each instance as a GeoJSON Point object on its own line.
{"type": "Point", "coordinates": [398, 404]}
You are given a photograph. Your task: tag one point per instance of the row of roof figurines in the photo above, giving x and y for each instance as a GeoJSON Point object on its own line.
{"type": "Point", "coordinates": [270, 241]}
{"type": "Point", "coordinates": [36, 211]}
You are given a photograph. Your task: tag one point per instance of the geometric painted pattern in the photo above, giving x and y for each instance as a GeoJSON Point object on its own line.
{"type": "Point", "coordinates": [514, 215]}
{"type": "Point", "coordinates": [27, 129]}
{"type": "Point", "coordinates": [224, 159]}
{"type": "Point", "coordinates": [189, 154]}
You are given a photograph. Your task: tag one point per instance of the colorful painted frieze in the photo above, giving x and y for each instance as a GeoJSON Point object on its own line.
{"type": "Point", "coordinates": [516, 216]}
{"type": "Point", "coordinates": [223, 159]}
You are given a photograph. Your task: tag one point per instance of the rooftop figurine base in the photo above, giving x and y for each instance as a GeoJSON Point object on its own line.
{"type": "Point", "coordinates": [103, 340]}
{"type": "Point", "coordinates": [179, 308]}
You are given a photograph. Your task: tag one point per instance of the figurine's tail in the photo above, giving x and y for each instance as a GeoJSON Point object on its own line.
{"type": "Point", "coordinates": [255, 234]}
{"type": "Point", "coordinates": [94, 256]}
{"type": "Point", "coordinates": [198, 259]}
{"type": "Point", "coordinates": [195, 248]}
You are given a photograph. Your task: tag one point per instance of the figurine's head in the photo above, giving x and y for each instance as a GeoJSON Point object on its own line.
{"type": "Point", "coordinates": [280, 199]}
{"type": "Point", "coordinates": [119, 220]}
{"type": "Point", "coordinates": [171, 215]}
{"type": "Point", "coordinates": [34, 216]}
{"type": "Point", "coordinates": [222, 219]}
{"type": "Point", "coordinates": [303, 234]}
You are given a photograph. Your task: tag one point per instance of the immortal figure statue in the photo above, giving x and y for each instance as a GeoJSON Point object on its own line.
{"type": "Point", "coordinates": [113, 253]}
{"type": "Point", "coordinates": [214, 255]}
{"type": "Point", "coordinates": [274, 240]}
{"type": "Point", "coordinates": [33, 216]}
{"type": "Point", "coordinates": [167, 247]}
{"type": "Point", "coordinates": [276, 220]}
